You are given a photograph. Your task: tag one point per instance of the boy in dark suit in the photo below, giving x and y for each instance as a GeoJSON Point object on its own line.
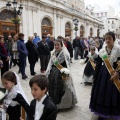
{"type": "Point", "coordinates": [42, 108]}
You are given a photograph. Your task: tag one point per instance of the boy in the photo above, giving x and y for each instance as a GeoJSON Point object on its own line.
{"type": "Point", "coordinates": [42, 108]}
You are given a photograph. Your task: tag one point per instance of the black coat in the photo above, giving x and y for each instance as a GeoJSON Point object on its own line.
{"type": "Point", "coordinates": [49, 112]}
{"type": "Point", "coordinates": [32, 52]}
{"type": "Point", "coordinates": [70, 48]}
{"type": "Point", "coordinates": [14, 112]}
{"type": "Point", "coordinates": [43, 48]}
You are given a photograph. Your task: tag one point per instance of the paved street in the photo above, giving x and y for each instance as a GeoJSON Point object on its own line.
{"type": "Point", "coordinates": [81, 110]}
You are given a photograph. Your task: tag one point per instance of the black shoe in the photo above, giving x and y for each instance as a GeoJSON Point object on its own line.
{"type": "Point", "coordinates": [33, 73]}
{"type": "Point", "coordinates": [24, 77]}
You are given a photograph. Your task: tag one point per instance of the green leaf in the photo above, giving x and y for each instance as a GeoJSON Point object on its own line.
{"type": "Point", "coordinates": [56, 62]}
{"type": "Point", "coordinates": [104, 57]}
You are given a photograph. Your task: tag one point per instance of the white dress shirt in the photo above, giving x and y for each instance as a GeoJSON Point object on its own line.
{"type": "Point", "coordinates": [39, 108]}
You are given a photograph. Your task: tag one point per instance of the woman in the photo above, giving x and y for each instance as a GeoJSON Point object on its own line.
{"type": "Point", "coordinates": [15, 51]}
{"type": "Point", "coordinates": [61, 91]}
{"type": "Point", "coordinates": [89, 68]}
{"type": "Point", "coordinates": [32, 54]}
{"type": "Point", "coordinates": [105, 97]}
{"type": "Point", "coordinates": [4, 55]}
{"type": "Point", "coordinates": [70, 48]}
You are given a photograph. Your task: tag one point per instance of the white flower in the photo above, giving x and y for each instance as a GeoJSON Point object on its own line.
{"type": "Point", "coordinates": [82, 61]}
{"type": "Point", "coordinates": [102, 53]}
{"type": "Point", "coordinates": [65, 70]}
{"type": "Point", "coordinates": [1, 95]}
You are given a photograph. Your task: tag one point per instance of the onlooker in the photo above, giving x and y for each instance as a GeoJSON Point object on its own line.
{"type": "Point", "coordinates": [15, 52]}
{"type": "Point", "coordinates": [44, 53]}
{"type": "Point", "coordinates": [22, 54]}
{"type": "Point", "coordinates": [32, 54]}
{"type": "Point", "coordinates": [9, 43]}
{"type": "Point", "coordinates": [76, 46]}
{"type": "Point", "coordinates": [4, 55]}
{"type": "Point", "coordinates": [70, 48]}
{"type": "Point", "coordinates": [36, 39]}
{"type": "Point", "coordinates": [48, 38]}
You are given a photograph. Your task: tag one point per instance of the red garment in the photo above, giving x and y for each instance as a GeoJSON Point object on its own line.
{"type": "Point", "coordinates": [65, 44]}
{"type": "Point", "coordinates": [4, 51]}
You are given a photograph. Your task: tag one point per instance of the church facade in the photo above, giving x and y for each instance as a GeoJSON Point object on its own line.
{"type": "Point", "coordinates": [53, 17]}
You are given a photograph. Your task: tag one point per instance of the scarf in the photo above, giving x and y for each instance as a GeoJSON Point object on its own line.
{"type": "Point", "coordinates": [4, 51]}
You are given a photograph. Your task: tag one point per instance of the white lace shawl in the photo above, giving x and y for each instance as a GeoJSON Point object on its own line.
{"type": "Point", "coordinates": [63, 56]}
{"type": "Point", "coordinates": [115, 53]}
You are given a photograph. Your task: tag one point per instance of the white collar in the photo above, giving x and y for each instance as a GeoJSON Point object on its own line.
{"type": "Point", "coordinates": [42, 99]}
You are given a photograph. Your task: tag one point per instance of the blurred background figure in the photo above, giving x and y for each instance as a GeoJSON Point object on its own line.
{"type": "Point", "coordinates": [4, 54]}
{"type": "Point", "coordinates": [36, 39]}
{"type": "Point", "coordinates": [70, 48]}
{"type": "Point", "coordinates": [15, 52]}
{"type": "Point", "coordinates": [32, 54]}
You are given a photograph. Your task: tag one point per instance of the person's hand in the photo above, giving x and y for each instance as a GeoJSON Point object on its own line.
{"type": "Point", "coordinates": [1, 63]}
{"type": "Point", "coordinates": [8, 58]}
{"type": "Point", "coordinates": [1, 106]}
{"type": "Point", "coordinates": [115, 75]}
{"type": "Point", "coordinates": [21, 118]}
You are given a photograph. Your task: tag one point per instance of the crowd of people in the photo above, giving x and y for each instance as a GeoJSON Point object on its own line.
{"type": "Point", "coordinates": [53, 89]}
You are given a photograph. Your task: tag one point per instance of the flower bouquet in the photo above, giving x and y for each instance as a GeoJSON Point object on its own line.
{"type": "Point", "coordinates": [65, 73]}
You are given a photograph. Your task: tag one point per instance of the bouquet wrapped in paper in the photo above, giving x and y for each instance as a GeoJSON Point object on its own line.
{"type": "Point", "coordinates": [65, 73]}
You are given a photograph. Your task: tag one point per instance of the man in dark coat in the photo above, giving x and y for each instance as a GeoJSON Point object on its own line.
{"type": "Point", "coordinates": [44, 53]}
{"type": "Point", "coordinates": [32, 54]}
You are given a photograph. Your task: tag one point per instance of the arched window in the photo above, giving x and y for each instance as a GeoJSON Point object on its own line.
{"type": "Point", "coordinates": [6, 15]}
{"type": "Point", "coordinates": [46, 26]}
{"type": "Point", "coordinates": [82, 31]}
{"type": "Point", "coordinates": [46, 22]}
{"type": "Point", "coordinates": [67, 26]}
{"type": "Point", "coordinates": [91, 31]}
{"type": "Point", "coordinates": [67, 29]}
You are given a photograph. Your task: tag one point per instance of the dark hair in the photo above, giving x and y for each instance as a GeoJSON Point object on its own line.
{"type": "Point", "coordinates": [111, 34]}
{"type": "Point", "coordinates": [44, 36]}
{"type": "Point", "coordinates": [10, 76]}
{"type": "Point", "coordinates": [92, 48]}
{"type": "Point", "coordinates": [20, 35]}
{"type": "Point", "coordinates": [60, 41]}
{"type": "Point", "coordinates": [40, 80]}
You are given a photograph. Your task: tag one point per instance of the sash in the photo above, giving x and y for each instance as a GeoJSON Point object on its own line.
{"type": "Point", "coordinates": [111, 71]}
{"type": "Point", "coordinates": [92, 63]}
{"type": "Point", "coordinates": [56, 63]}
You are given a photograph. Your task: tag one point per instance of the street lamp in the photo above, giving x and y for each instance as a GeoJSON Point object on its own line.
{"type": "Point", "coordinates": [15, 11]}
{"type": "Point", "coordinates": [76, 22]}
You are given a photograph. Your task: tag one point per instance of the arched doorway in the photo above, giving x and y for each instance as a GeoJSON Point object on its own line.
{"type": "Point", "coordinates": [82, 31]}
{"type": "Point", "coordinates": [67, 29]}
{"type": "Point", "coordinates": [98, 32]}
{"type": "Point", "coordinates": [46, 26]}
{"type": "Point", "coordinates": [6, 26]}
{"type": "Point", "coordinates": [91, 32]}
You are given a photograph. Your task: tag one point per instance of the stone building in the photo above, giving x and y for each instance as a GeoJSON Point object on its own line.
{"type": "Point", "coordinates": [50, 17]}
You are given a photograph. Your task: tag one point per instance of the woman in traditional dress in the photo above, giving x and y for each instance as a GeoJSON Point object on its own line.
{"type": "Point", "coordinates": [105, 97]}
{"type": "Point", "coordinates": [61, 91]}
{"type": "Point", "coordinates": [89, 68]}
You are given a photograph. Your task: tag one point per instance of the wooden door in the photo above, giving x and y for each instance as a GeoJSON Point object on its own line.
{"type": "Point", "coordinates": [67, 32]}
{"type": "Point", "coordinates": [7, 28]}
{"type": "Point", "coordinates": [46, 30]}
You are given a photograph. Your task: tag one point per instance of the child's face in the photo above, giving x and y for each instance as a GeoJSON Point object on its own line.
{"type": "Point", "coordinates": [109, 40]}
{"type": "Point", "coordinates": [37, 92]}
{"type": "Point", "coordinates": [7, 84]}
{"type": "Point", "coordinates": [58, 46]}
{"type": "Point", "coordinates": [92, 51]}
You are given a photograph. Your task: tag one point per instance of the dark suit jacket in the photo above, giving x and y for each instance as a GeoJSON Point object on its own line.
{"type": "Point", "coordinates": [49, 112]}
